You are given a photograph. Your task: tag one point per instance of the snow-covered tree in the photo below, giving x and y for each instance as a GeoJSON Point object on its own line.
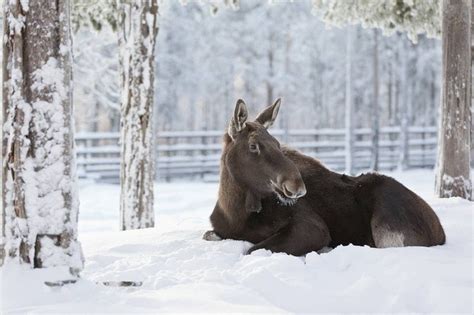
{"type": "Point", "coordinates": [40, 203]}
{"type": "Point", "coordinates": [136, 24]}
{"type": "Point", "coordinates": [413, 17]}
{"type": "Point", "coordinates": [137, 30]}
{"type": "Point", "coordinates": [206, 61]}
{"type": "Point", "coordinates": [453, 169]}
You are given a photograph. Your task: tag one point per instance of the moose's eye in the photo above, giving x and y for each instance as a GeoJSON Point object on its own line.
{"type": "Point", "coordinates": [253, 147]}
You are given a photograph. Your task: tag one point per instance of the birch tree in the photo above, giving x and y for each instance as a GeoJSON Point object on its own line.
{"type": "Point", "coordinates": [453, 169]}
{"type": "Point", "coordinates": [40, 203]}
{"type": "Point", "coordinates": [137, 31]}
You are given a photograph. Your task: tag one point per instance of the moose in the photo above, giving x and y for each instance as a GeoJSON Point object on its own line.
{"type": "Point", "coordinates": [284, 201]}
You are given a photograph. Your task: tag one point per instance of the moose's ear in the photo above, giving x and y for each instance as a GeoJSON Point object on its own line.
{"type": "Point", "coordinates": [269, 114]}
{"type": "Point", "coordinates": [237, 123]}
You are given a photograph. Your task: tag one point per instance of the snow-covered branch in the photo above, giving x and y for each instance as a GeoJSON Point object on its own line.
{"type": "Point", "coordinates": [413, 17]}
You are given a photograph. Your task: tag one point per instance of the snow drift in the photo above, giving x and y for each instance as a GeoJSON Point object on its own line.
{"type": "Point", "coordinates": [182, 273]}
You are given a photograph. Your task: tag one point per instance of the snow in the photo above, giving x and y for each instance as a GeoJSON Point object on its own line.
{"type": "Point", "coordinates": [182, 273]}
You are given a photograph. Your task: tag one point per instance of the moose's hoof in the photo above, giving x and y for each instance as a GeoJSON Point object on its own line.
{"type": "Point", "coordinates": [211, 236]}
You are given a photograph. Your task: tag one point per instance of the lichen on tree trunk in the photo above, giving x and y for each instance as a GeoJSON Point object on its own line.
{"type": "Point", "coordinates": [40, 204]}
{"type": "Point", "coordinates": [453, 165]}
{"type": "Point", "coordinates": [138, 29]}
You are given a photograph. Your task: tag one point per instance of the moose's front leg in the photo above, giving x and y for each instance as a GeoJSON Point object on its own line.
{"type": "Point", "coordinates": [211, 236]}
{"type": "Point", "coordinates": [306, 232]}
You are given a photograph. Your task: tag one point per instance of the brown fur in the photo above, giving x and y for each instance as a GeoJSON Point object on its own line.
{"type": "Point", "coordinates": [369, 209]}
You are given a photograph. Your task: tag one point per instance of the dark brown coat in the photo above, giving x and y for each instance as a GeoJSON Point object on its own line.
{"type": "Point", "coordinates": [307, 206]}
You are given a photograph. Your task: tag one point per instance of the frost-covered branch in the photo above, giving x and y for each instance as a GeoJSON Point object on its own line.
{"type": "Point", "coordinates": [413, 17]}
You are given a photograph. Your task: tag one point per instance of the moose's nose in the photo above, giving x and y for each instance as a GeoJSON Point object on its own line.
{"type": "Point", "coordinates": [294, 189]}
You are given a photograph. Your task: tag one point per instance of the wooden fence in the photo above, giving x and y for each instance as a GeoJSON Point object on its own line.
{"type": "Point", "coordinates": [195, 154]}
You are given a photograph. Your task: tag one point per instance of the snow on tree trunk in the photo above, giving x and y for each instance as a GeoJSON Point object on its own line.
{"type": "Point", "coordinates": [137, 35]}
{"type": "Point", "coordinates": [40, 204]}
{"type": "Point", "coordinates": [375, 109]}
{"type": "Point", "coordinates": [453, 174]}
{"type": "Point", "coordinates": [349, 115]}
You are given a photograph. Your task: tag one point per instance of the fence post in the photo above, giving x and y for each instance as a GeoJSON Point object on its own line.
{"type": "Point", "coordinates": [168, 155]}
{"type": "Point", "coordinates": [404, 147]}
{"type": "Point", "coordinates": [156, 156]}
{"type": "Point", "coordinates": [203, 155]}
{"type": "Point", "coordinates": [423, 146]}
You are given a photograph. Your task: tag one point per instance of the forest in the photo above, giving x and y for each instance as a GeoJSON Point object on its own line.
{"type": "Point", "coordinates": [204, 62]}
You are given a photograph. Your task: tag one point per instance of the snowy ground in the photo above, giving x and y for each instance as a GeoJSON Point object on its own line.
{"type": "Point", "coordinates": [182, 273]}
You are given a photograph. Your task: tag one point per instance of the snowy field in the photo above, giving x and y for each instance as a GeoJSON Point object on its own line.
{"type": "Point", "coordinates": [182, 273]}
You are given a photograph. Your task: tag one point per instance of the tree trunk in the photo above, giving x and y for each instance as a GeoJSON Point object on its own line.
{"type": "Point", "coordinates": [40, 204]}
{"type": "Point", "coordinates": [271, 58]}
{"type": "Point", "coordinates": [453, 173]}
{"type": "Point", "coordinates": [403, 110]}
{"type": "Point", "coordinates": [349, 114]}
{"type": "Point", "coordinates": [390, 93]}
{"type": "Point", "coordinates": [286, 113]}
{"type": "Point", "coordinates": [472, 82]}
{"type": "Point", "coordinates": [269, 83]}
{"type": "Point", "coordinates": [375, 108]}
{"type": "Point", "coordinates": [137, 36]}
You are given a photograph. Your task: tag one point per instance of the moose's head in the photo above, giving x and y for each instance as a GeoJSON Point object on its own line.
{"type": "Point", "coordinates": [256, 161]}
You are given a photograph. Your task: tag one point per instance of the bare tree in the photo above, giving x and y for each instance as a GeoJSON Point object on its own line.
{"type": "Point", "coordinates": [137, 28]}
{"type": "Point", "coordinates": [453, 172]}
{"type": "Point", "coordinates": [403, 109]}
{"type": "Point", "coordinates": [40, 204]}
{"type": "Point", "coordinates": [349, 114]}
{"type": "Point", "coordinates": [375, 106]}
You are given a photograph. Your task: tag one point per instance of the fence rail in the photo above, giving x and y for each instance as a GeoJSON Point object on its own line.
{"type": "Point", "coordinates": [196, 153]}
